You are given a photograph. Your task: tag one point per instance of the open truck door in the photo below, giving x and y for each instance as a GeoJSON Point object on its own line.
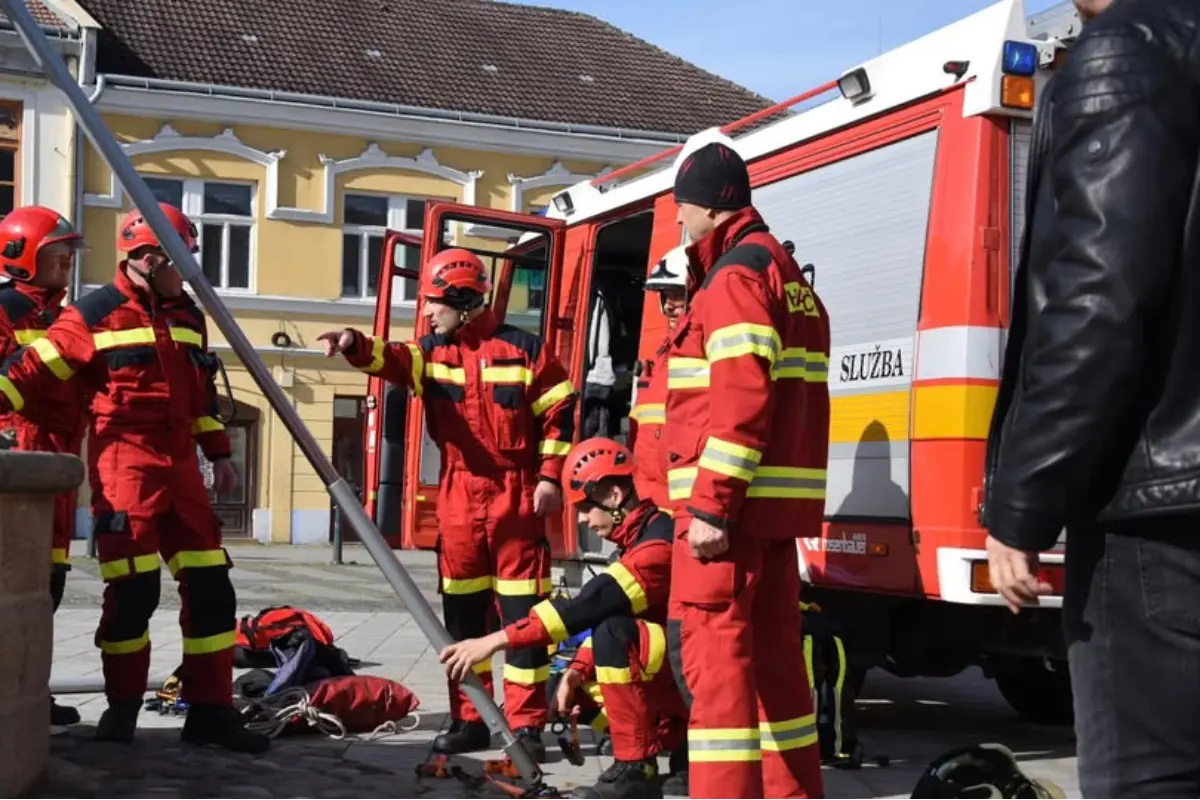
{"type": "Point", "coordinates": [524, 254]}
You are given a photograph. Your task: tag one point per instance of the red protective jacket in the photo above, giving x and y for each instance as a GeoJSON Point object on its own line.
{"type": "Point", "coordinates": [26, 311]}
{"type": "Point", "coordinates": [650, 414]}
{"type": "Point", "coordinates": [144, 366]}
{"type": "Point", "coordinates": [637, 585]}
{"type": "Point", "coordinates": [495, 400]}
{"type": "Point", "coordinates": [747, 432]}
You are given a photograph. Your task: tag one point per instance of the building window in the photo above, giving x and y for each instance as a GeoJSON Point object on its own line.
{"type": "Point", "coordinates": [10, 156]}
{"type": "Point", "coordinates": [366, 219]}
{"type": "Point", "coordinates": [224, 215]}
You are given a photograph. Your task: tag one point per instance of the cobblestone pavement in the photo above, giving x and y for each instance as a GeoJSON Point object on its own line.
{"type": "Point", "coordinates": [910, 721]}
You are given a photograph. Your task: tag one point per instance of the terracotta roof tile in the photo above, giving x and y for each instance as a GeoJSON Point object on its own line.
{"type": "Point", "coordinates": [42, 14]}
{"type": "Point", "coordinates": [461, 55]}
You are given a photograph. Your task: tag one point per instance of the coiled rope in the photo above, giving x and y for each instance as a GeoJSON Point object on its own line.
{"type": "Point", "coordinates": [271, 715]}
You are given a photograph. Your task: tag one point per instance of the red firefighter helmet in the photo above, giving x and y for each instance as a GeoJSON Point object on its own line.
{"type": "Point", "coordinates": [457, 278]}
{"type": "Point", "coordinates": [592, 461]}
{"type": "Point", "coordinates": [24, 232]}
{"type": "Point", "coordinates": [136, 232]}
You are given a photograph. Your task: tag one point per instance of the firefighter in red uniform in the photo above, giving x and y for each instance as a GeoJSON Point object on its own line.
{"type": "Point", "coordinates": [138, 348]}
{"type": "Point", "coordinates": [625, 607]}
{"type": "Point", "coordinates": [37, 247]}
{"type": "Point", "coordinates": [501, 410]}
{"type": "Point", "coordinates": [746, 443]}
{"type": "Point", "coordinates": [669, 279]}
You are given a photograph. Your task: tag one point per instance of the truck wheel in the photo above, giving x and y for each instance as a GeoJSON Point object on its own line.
{"type": "Point", "coordinates": [1036, 693]}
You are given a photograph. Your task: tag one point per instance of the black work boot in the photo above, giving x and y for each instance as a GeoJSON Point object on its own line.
{"type": "Point", "coordinates": [118, 723]}
{"type": "Point", "coordinates": [62, 715]}
{"type": "Point", "coordinates": [463, 737]}
{"type": "Point", "coordinates": [531, 740]}
{"type": "Point", "coordinates": [676, 783]}
{"type": "Point", "coordinates": [222, 726]}
{"type": "Point", "coordinates": [625, 779]}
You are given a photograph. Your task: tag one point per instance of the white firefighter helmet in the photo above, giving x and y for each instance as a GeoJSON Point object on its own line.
{"type": "Point", "coordinates": [671, 271]}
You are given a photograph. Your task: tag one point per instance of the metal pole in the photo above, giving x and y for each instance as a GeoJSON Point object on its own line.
{"type": "Point", "coordinates": [341, 493]}
{"type": "Point", "coordinates": [337, 534]}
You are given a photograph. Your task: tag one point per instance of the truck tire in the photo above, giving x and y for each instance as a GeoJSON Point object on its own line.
{"type": "Point", "coordinates": [1038, 694]}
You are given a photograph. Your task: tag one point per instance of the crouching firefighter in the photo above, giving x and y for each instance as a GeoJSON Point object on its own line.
{"type": "Point", "coordinates": [37, 249]}
{"type": "Point", "coordinates": [625, 607]}
{"type": "Point", "coordinates": [139, 349]}
{"type": "Point", "coordinates": [500, 409]}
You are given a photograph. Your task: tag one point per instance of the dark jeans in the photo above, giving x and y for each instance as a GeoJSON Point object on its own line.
{"type": "Point", "coordinates": [1132, 619]}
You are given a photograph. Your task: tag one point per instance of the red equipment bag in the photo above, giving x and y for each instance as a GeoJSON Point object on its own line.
{"type": "Point", "coordinates": [362, 702]}
{"type": "Point", "coordinates": [257, 632]}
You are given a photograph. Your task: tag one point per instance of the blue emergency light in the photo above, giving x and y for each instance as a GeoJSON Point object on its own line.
{"type": "Point", "coordinates": [1020, 58]}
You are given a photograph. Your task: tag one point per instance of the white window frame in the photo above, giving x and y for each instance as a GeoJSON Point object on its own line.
{"type": "Point", "coordinates": [397, 220]}
{"type": "Point", "coordinates": [193, 206]}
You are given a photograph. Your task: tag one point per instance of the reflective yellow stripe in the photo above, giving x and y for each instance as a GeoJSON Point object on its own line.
{"type": "Point", "coordinates": [209, 644]}
{"type": "Point", "coordinates": [730, 459]}
{"type": "Point", "coordinates": [791, 734]}
{"type": "Point", "coordinates": [446, 374]}
{"type": "Point", "coordinates": [187, 336]}
{"type": "Point", "coordinates": [196, 559]}
{"type": "Point", "coordinates": [417, 371]}
{"type": "Point", "coordinates": [808, 665]}
{"type": "Point", "coordinates": [466, 585]}
{"type": "Point", "coordinates": [526, 677]}
{"type": "Point", "coordinates": [551, 447]}
{"type": "Point", "coordinates": [506, 375]}
{"type": "Point", "coordinates": [52, 359]}
{"type": "Point", "coordinates": [29, 337]}
{"type": "Point", "coordinates": [629, 585]}
{"type": "Point", "coordinates": [552, 621]}
{"type": "Point", "coordinates": [838, 686]}
{"type": "Point", "coordinates": [523, 588]}
{"type": "Point", "coordinates": [600, 723]}
{"type": "Point", "coordinates": [207, 425]}
{"type": "Point", "coordinates": [120, 567]}
{"type": "Point", "coordinates": [799, 363]}
{"type": "Point", "coordinates": [587, 644]}
{"type": "Point", "coordinates": [742, 339]}
{"type": "Point", "coordinates": [378, 348]}
{"type": "Point", "coordinates": [595, 691]}
{"type": "Point", "coordinates": [723, 744]}
{"type": "Point", "coordinates": [649, 414]}
{"type": "Point", "coordinates": [107, 340]}
{"type": "Point", "coordinates": [769, 482]}
{"type": "Point", "coordinates": [126, 646]}
{"type": "Point", "coordinates": [10, 391]}
{"type": "Point", "coordinates": [610, 675]}
{"type": "Point", "coordinates": [552, 395]}
{"type": "Point", "coordinates": [687, 373]}
{"type": "Point", "coordinates": [59, 555]}
{"type": "Point", "coordinates": [656, 650]}
{"type": "Point", "coordinates": [483, 668]}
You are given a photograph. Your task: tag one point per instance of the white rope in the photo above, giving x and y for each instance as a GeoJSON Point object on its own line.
{"type": "Point", "coordinates": [271, 715]}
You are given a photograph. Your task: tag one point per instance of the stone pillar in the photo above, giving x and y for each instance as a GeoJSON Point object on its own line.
{"type": "Point", "coordinates": [28, 483]}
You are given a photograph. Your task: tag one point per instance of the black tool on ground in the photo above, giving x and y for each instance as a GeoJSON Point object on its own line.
{"type": "Point", "coordinates": [89, 120]}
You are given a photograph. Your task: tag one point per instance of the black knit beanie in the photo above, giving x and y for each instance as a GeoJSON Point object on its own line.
{"type": "Point", "coordinates": [713, 177]}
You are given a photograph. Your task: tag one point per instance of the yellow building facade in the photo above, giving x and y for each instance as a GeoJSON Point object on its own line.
{"type": "Point", "coordinates": [292, 207]}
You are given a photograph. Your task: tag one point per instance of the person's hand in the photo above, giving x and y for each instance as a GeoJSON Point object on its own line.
{"type": "Point", "coordinates": [1014, 574]}
{"type": "Point", "coordinates": [564, 696]}
{"type": "Point", "coordinates": [224, 476]}
{"type": "Point", "coordinates": [547, 498]}
{"type": "Point", "coordinates": [334, 342]}
{"type": "Point", "coordinates": [460, 658]}
{"type": "Point", "coordinates": [706, 541]}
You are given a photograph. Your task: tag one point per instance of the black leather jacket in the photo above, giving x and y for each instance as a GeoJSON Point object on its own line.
{"type": "Point", "coordinates": [1098, 415]}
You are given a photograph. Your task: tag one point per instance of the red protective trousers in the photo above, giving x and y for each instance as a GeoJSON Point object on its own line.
{"type": "Point", "coordinates": [493, 555]}
{"type": "Point", "coordinates": [753, 730]}
{"type": "Point", "coordinates": [48, 441]}
{"type": "Point", "coordinates": [644, 711]}
{"type": "Point", "coordinates": [147, 503]}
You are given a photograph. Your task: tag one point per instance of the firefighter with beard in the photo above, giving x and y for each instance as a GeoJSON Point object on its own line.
{"type": "Point", "coordinates": [746, 443]}
{"type": "Point", "coordinates": [138, 348]}
{"type": "Point", "coordinates": [37, 249]}
{"type": "Point", "coordinates": [625, 608]}
{"type": "Point", "coordinates": [501, 410]}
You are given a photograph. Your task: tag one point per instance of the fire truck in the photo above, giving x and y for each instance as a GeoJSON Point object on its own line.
{"type": "Point", "coordinates": [900, 185]}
